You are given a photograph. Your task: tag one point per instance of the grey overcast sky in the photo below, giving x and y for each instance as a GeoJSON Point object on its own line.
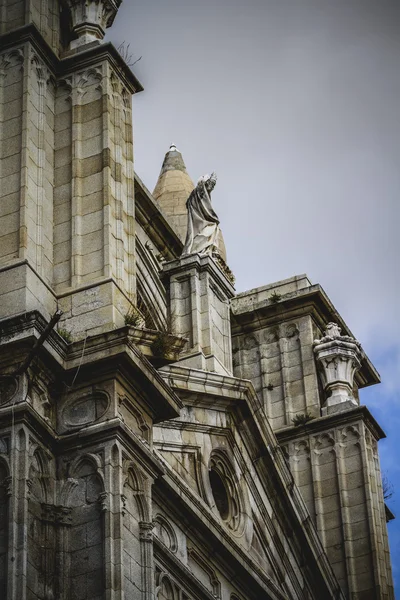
{"type": "Point", "coordinates": [295, 104]}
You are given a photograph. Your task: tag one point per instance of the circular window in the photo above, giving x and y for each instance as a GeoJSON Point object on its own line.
{"type": "Point", "coordinates": [225, 491]}
{"type": "Point", "coordinates": [220, 494]}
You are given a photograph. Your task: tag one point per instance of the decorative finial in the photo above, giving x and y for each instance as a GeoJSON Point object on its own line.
{"type": "Point", "coordinates": [173, 148]}
{"type": "Point", "coordinates": [89, 19]}
{"type": "Point", "coordinates": [339, 358]}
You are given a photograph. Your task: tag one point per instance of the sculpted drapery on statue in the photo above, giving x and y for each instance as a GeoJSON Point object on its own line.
{"type": "Point", "coordinates": [203, 224]}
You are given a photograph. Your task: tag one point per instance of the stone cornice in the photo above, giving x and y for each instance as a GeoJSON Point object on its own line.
{"type": "Point", "coordinates": [71, 60]}
{"type": "Point", "coordinates": [119, 348]}
{"type": "Point", "coordinates": [311, 301]}
{"type": "Point", "coordinates": [23, 414]}
{"type": "Point", "coordinates": [329, 421]}
{"type": "Point", "coordinates": [205, 387]}
{"type": "Point", "coordinates": [201, 263]}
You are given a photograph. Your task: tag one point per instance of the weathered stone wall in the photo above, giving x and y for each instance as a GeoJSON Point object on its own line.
{"type": "Point", "coordinates": [27, 160]}
{"type": "Point", "coordinates": [44, 15]}
{"type": "Point", "coordinates": [204, 437]}
{"type": "Point", "coordinates": [279, 360]}
{"type": "Point", "coordinates": [338, 474]}
{"type": "Point", "coordinates": [4, 526]}
{"type": "Point", "coordinates": [198, 295]}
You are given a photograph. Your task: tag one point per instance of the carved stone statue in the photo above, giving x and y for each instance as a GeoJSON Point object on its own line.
{"type": "Point", "coordinates": [203, 224]}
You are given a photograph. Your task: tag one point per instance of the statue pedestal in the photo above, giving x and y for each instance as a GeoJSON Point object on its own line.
{"type": "Point", "coordinates": [198, 295]}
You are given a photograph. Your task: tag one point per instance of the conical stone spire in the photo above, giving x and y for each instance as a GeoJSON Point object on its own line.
{"type": "Point", "coordinates": [173, 188]}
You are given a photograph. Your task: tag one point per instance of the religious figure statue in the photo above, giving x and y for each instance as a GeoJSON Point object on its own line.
{"type": "Point", "coordinates": [203, 231]}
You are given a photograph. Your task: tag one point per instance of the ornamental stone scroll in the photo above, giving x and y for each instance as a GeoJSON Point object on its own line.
{"type": "Point", "coordinates": [338, 358]}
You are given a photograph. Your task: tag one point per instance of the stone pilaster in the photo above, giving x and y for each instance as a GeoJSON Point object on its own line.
{"type": "Point", "coordinates": [146, 545]}
{"type": "Point", "coordinates": [199, 293]}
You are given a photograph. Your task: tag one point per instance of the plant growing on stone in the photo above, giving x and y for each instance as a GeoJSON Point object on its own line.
{"type": "Point", "coordinates": [124, 50]}
{"type": "Point", "coordinates": [275, 298]}
{"type": "Point", "coordinates": [65, 334]}
{"type": "Point", "coordinates": [387, 487]}
{"type": "Point", "coordinates": [302, 419]}
{"type": "Point", "coordinates": [163, 344]}
{"type": "Point", "coordinates": [134, 318]}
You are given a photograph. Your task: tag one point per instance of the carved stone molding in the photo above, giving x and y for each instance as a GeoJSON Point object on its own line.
{"type": "Point", "coordinates": [8, 485]}
{"type": "Point", "coordinates": [146, 531]}
{"type": "Point", "coordinates": [338, 358]}
{"type": "Point", "coordinates": [59, 515]}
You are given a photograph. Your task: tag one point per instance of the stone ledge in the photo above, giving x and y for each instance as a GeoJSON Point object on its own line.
{"type": "Point", "coordinates": [310, 300]}
{"type": "Point", "coordinates": [332, 420]}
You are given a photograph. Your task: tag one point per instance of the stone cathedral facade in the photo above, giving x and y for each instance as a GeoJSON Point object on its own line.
{"type": "Point", "coordinates": [161, 437]}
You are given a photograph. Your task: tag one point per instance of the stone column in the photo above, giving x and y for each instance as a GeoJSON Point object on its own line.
{"type": "Point", "coordinates": [199, 291]}
{"type": "Point", "coordinates": [146, 546]}
{"type": "Point", "coordinates": [338, 358]}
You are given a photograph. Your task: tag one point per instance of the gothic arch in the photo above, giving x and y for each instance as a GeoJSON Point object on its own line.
{"type": "Point", "coordinates": [40, 536]}
{"type": "Point", "coordinates": [85, 496]}
{"type": "Point", "coordinates": [165, 590]}
{"type": "Point", "coordinates": [165, 532]}
{"type": "Point", "coordinates": [135, 513]}
{"type": "Point", "coordinates": [134, 490]}
{"type": "Point", "coordinates": [39, 476]}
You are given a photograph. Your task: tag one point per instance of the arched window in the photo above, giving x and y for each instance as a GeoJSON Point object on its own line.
{"type": "Point", "coordinates": [166, 590]}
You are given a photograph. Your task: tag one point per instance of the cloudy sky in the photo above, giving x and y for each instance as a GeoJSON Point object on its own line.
{"type": "Point", "coordinates": [295, 104]}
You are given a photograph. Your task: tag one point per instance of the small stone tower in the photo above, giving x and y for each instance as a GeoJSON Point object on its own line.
{"type": "Point", "coordinates": [66, 165]}
{"type": "Point", "coordinates": [287, 339]}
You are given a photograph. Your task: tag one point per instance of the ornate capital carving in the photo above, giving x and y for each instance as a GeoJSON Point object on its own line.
{"type": "Point", "coordinates": [146, 531]}
{"type": "Point", "coordinates": [338, 358]}
{"type": "Point", "coordinates": [104, 501]}
{"type": "Point", "coordinates": [58, 515]}
{"type": "Point", "coordinates": [90, 18]}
